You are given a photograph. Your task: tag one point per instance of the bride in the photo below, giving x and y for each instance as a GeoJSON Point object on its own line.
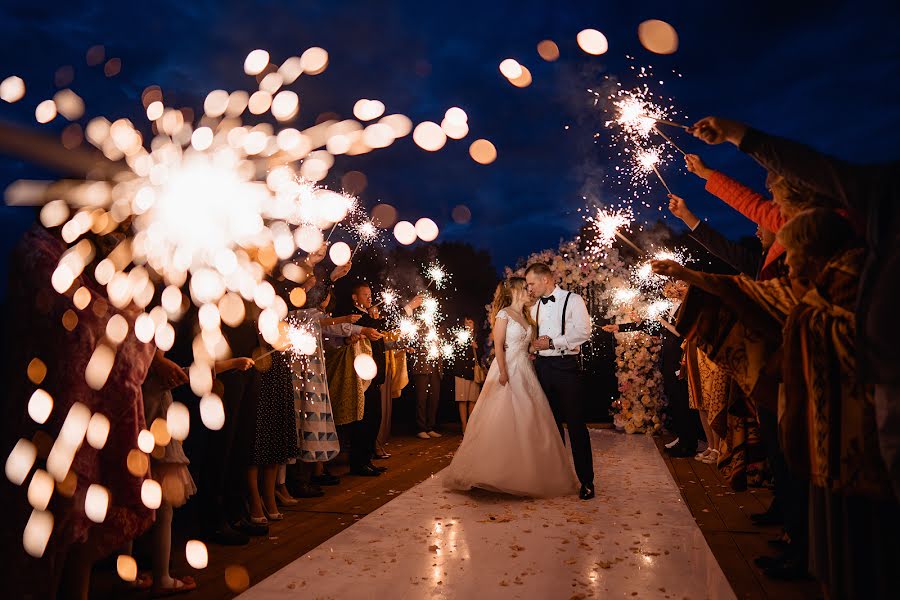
{"type": "Point", "coordinates": [512, 443]}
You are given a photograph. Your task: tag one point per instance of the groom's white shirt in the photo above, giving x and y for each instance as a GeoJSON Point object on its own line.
{"type": "Point", "coordinates": [549, 319]}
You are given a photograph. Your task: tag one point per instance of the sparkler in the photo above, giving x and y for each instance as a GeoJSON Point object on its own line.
{"type": "Point", "coordinates": [668, 139]}
{"type": "Point", "coordinates": [647, 160]}
{"type": "Point", "coordinates": [301, 341]}
{"type": "Point", "coordinates": [201, 216]}
{"type": "Point", "coordinates": [436, 276]}
{"type": "Point", "coordinates": [607, 223]}
{"type": "Point", "coordinates": [366, 232]}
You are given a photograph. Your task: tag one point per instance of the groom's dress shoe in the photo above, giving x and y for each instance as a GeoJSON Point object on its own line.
{"type": "Point", "coordinates": [587, 492]}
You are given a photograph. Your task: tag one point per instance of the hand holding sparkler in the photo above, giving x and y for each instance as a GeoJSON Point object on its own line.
{"type": "Point", "coordinates": [696, 166]}
{"type": "Point", "coordinates": [371, 334]}
{"type": "Point", "coordinates": [668, 268]}
{"type": "Point", "coordinates": [715, 130]}
{"type": "Point", "coordinates": [679, 208]}
{"type": "Point", "coordinates": [341, 271]}
{"type": "Point", "coordinates": [436, 275]}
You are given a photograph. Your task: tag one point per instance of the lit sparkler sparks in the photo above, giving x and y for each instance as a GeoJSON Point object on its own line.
{"type": "Point", "coordinates": [647, 160]}
{"type": "Point", "coordinates": [366, 232]}
{"type": "Point", "coordinates": [606, 224]}
{"type": "Point", "coordinates": [643, 276]}
{"type": "Point", "coordinates": [436, 276]}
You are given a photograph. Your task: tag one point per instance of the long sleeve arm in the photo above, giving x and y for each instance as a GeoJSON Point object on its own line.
{"type": "Point", "coordinates": [855, 186]}
{"type": "Point", "coordinates": [578, 329]}
{"type": "Point", "coordinates": [752, 205]}
{"type": "Point", "coordinates": [743, 259]}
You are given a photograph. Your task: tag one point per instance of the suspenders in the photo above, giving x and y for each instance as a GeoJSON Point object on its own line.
{"type": "Point", "coordinates": [565, 306]}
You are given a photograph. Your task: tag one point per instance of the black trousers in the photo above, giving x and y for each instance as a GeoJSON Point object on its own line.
{"type": "Point", "coordinates": [768, 432]}
{"type": "Point", "coordinates": [428, 395]}
{"type": "Point", "coordinates": [561, 380]}
{"type": "Point", "coordinates": [364, 433]}
{"type": "Point", "coordinates": [219, 459]}
{"type": "Point", "coordinates": [685, 420]}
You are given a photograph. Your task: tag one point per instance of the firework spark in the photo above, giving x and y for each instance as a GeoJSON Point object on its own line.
{"type": "Point", "coordinates": [436, 275]}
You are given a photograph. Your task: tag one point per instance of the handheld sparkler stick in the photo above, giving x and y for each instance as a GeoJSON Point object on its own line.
{"type": "Point", "coordinates": [670, 123]}
{"type": "Point", "coordinates": [661, 180]}
{"type": "Point", "coordinates": [634, 246]}
{"type": "Point", "coordinates": [668, 139]}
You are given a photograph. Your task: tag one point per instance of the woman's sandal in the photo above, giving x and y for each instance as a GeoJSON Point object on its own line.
{"type": "Point", "coordinates": [181, 585]}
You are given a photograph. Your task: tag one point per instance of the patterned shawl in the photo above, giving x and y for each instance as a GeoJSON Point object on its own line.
{"type": "Point", "coordinates": [345, 387]}
{"type": "Point", "coordinates": [827, 416]}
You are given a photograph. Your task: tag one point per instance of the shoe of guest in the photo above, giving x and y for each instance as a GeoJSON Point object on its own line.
{"type": "Point", "coordinates": [712, 458]}
{"type": "Point", "coordinates": [434, 434]}
{"type": "Point", "coordinates": [423, 435]}
{"type": "Point", "coordinates": [770, 562]}
{"type": "Point", "coordinates": [309, 491]}
{"type": "Point", "coordinates": [251, 529]}
{"type": "Point", "coordinates": [325, 479]}
{"type": "Point", "coordinates": [673, 443]}
{"type": "Point", "coordinates": [284, 499]}
{"type": "Point", "coordinates": [364, 471]}
{"type": "Point", "coordinates": [226, 535]}
{"type": "Point", "coordinates": [779, 543]}
{"type": "Point", "coordinates": [701, 455]}
{"type": "Point", "coordinates": [381, 455]}
{"type": "Point", "coordinates": [379, 469]}
{"type": "Point", "coordinates": [273, 516]}
{"type": "Point", "coordinates": [789, 570]}
{"type": "Point", "coordinates": [770, 517]}
{"type": "Point", "coordinates": [682, 451]}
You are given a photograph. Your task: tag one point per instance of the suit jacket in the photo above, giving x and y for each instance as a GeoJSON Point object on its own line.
{"type": "Point", "coordinates": [741, 258]}
{"type": "Point", "coordinates": [378, 346]}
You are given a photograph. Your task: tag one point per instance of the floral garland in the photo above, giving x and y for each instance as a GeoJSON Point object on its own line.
{"type": "Point", "coordinates": [603, 280]}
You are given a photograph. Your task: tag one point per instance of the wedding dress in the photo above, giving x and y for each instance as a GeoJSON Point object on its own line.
{"type": "Point", "coordinates": [512, 443]}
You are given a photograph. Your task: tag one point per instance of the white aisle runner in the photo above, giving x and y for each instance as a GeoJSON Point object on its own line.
{"type": "Point", "coordinates": [636, 539]}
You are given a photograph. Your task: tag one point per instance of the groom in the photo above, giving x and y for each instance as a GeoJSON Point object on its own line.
{"type": "Point", "coordinates": [563, 325]}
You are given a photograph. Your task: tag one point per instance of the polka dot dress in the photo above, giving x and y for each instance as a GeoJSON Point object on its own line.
{"type": "Point", "coordinates": [276, 420]}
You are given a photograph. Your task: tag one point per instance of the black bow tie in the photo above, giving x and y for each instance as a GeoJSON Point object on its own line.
{"type": "Point", "coordinates": [548, 299]}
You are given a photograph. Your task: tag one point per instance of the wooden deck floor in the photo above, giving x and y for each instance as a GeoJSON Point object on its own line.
{"type": "Point", "coordinates": [305, 526]}
{"type": "Point", "coordinates": [724, 518]}
{"type": "Point", "coordinates": [722, 515]}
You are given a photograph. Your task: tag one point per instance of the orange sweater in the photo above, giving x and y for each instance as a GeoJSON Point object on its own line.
{"type": "Point", "coordinates": [752, 205]}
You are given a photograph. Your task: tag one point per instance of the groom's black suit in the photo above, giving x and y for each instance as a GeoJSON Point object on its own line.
{"type": "Point", "coordinates": [564, 321]}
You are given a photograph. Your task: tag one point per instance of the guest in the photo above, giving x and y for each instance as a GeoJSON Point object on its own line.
{"type": "Point", "coordinates": [468, 375]}
{"type": "Point", "coordinates": [46, 324]}
{"type": "Point", "coordinates": [744, 261]}
{"type": "Point", "coordinates": [828, 418]}
{"type": "Point", "coordinates": [426, 368]}
{"type": "Point", "coordinates": [872, 192]}
{"type": "Point", "coordinates": [396, 378]}
{"type": "Point", "coordinates": [365, 431]}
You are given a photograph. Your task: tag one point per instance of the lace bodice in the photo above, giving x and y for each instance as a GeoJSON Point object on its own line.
{"type": "Point", "coordinates": [517, 337]}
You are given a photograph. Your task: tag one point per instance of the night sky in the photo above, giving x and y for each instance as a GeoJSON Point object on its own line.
{"type": "Point", "coordinates": [822, 72]}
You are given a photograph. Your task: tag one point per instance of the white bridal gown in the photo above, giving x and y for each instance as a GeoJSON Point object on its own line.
{"type": "Point", "coordinates": [512, 443]}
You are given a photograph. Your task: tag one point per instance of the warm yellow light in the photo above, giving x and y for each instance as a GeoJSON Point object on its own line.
{"type": "Point", "coordinates": [592, 41]}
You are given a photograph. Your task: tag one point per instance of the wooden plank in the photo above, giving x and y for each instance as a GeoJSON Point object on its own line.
{"type": "Point", "coordinates": [305, 526]}
{"type": "Point", "coordinates": [728, 530]}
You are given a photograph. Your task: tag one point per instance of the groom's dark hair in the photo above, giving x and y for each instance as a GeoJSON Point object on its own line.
{"type": "Point", "coordinates": [539, 269]}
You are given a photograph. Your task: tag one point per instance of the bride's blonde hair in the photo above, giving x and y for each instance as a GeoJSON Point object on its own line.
{"type": "Point", "coordinates": [503, 297]}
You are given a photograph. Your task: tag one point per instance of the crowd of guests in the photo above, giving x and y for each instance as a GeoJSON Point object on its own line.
{"type": "Point", "coordinates": [791, 368]}
{"type": "Point", "coordinates": [287, 415]}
